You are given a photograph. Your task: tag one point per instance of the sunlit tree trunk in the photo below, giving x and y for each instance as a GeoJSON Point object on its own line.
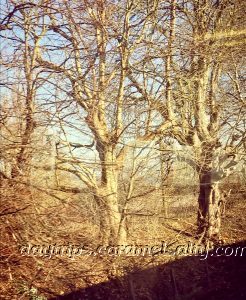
{"type": "Point", "coordinates": [209, 212]}
{"type": "Point", "coordinates": [113, 231]}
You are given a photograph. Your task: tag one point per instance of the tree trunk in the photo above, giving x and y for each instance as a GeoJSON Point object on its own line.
{"type": "Point", "coordinates": [112, 227]}
{"type": "Point", "coordinates": [209, 213]}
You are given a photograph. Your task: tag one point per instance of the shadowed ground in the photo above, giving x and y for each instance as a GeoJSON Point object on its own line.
{"type": "Point", "coordinates": [186, 278]}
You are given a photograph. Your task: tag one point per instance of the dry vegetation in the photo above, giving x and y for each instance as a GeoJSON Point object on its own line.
{"type": "Point", "coordinates": [124, 277]}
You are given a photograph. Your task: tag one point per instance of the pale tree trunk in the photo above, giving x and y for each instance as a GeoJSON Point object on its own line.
{"type": "Point", "coordinates": [111, 221]}
{"type": "Point", "coordinates": [209, 212]}
{"type": "Point", "coordinates": [213, 169]}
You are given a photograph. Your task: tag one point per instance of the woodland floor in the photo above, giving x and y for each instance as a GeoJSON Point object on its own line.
{"type": "Point", "coordinates": [149, 277]}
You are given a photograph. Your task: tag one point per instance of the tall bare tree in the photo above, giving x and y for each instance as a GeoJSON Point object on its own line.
{"type": "Point", "coordinates": [21, 36]}
{"type": "Point", "coordinates": [192, 42]}
{"type": "Point", "coordinates": [95, 40]}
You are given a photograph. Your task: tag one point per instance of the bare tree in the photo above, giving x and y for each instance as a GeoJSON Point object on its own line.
{"type": "Point", "coordinates": [24, 29]}
{"type": "Point", "coordinates": [94, 43]}
{"type": "Point", "coordinates": [189, 65]}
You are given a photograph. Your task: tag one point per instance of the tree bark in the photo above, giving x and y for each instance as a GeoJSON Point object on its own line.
{"type": "Point", "coordinates": [112, 228]}
{"type": "Point", "coordinates": [209, 212]}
